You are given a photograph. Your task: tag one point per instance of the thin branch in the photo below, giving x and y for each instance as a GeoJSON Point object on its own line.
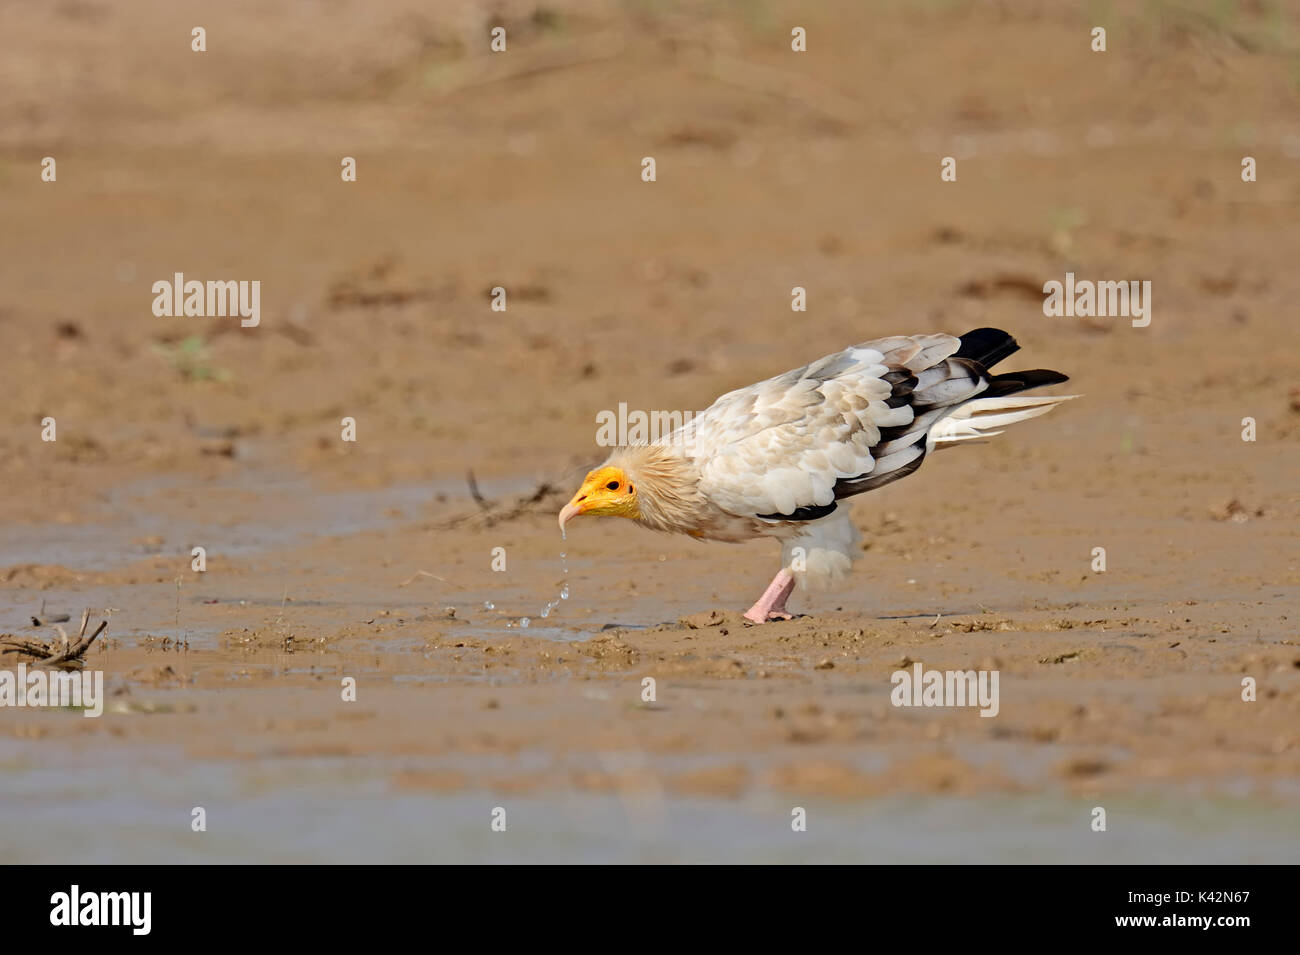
{"type": "Point", "coordinates": [542, 495]}
{"type": "Point", "coordinates": [474, 493]}
{"type": "Point", "coordinates": [63, 652]}
{"type": "Point", "coordinates": [76, 652]}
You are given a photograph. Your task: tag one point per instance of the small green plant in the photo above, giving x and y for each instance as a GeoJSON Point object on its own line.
{"type": "Point", "coordinates": [1063, 222]}
{"type": "Point", "coordinates": [191, 360]}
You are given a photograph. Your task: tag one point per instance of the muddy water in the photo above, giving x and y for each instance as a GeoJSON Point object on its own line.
{"type": "Point", "coordinates": [248, 512]}
{"type": "Point", "coordinates": [321, 810]}
{"type": "Point", "coordinates": [459, 712]}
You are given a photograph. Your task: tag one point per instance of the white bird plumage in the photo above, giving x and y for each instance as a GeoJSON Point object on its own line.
{"type": "Point", "coordinates": [776, 459]}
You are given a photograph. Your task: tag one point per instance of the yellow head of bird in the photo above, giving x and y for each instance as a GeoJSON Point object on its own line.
{"type": "Point", "coordinates": [605, 491]}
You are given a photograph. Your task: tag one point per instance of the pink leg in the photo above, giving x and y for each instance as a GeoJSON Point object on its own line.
{"type": "Point", "coordinates": [771, 606]}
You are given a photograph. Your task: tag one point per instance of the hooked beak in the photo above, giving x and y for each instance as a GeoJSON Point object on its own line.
{"type": "Point", "coordinates": [570, 510]}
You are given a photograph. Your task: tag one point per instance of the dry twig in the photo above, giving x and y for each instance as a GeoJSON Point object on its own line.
{"type": "Point", "coordinates": [62, 652]}
{"type": "Point", "coordinates": [489, 514]}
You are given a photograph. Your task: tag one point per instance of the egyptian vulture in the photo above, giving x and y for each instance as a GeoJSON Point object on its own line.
{"type": "Point", "coordinates": [776, 459]}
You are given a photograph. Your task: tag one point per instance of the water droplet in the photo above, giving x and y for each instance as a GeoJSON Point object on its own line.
{"type": "Point", "coordinates": [564, 592]}
{"type": "Point", "coordinates": [489, 605]}
{"type": "Point", "coordinates": [546, 612]}
{"type": "Point", "coordinates": [524, 621]}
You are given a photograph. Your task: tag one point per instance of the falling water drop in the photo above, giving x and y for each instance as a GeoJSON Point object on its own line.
{"type": "Point", "coordinates": [564, 589]}
{"type": "Point", "coordinates": [524, 621]}
{"type": "Point", "coordinates": [489, 605]}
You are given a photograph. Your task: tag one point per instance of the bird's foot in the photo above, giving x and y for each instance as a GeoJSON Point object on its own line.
{"type": "Point", "coordinates": [771, 606]}
{"type": "Point", "coordinates": [770, 617]}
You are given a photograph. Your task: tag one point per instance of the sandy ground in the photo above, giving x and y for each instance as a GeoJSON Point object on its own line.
{"type": "Point", "coordinates": [370, 560]}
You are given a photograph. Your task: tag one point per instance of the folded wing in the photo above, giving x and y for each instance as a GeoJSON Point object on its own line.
{"type": "Point", "coordinates": [791, 447]}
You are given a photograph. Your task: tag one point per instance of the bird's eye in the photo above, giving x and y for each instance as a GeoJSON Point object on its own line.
{"type": "Point", "coordinates": [612, 485]}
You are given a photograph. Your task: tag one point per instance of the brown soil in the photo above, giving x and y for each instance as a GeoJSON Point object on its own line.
{"type": "Point", "coordinates": [522, 170]}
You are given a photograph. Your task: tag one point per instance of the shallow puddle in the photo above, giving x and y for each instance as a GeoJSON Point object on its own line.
{"type": "Point", "coordinates": [333, 811]}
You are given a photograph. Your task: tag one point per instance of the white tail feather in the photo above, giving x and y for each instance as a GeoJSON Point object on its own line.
{"type": "Point", "coordinates": [969, 420]}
